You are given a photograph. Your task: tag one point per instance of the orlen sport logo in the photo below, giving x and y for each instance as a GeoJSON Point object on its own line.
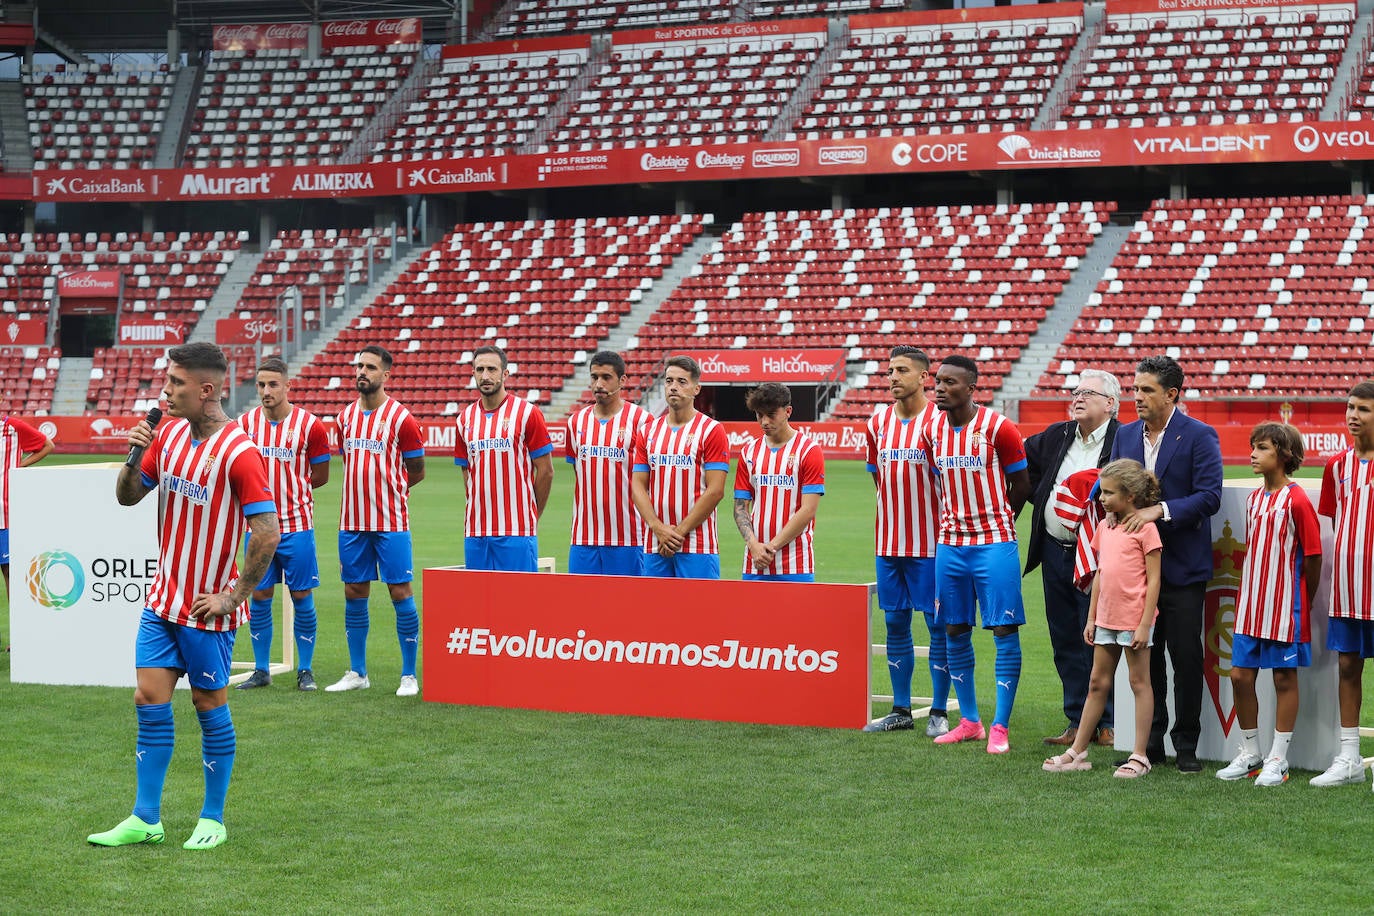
{"type": "Point", "coordinates": [56, 579]}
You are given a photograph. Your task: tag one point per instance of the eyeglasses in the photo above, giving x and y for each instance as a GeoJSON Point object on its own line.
{"type": "Point", "coordinates": [1086, 392]}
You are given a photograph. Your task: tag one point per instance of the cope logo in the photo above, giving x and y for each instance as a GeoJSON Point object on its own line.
{"type": "Point", "coordinates": [56, 579]}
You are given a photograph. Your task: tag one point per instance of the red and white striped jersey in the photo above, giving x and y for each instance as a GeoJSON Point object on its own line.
{"type": "Point", "coordinates": [1348, 500]}
{"type": "Point", "coordinates": [1072, 503]}
{"type": "Point", "coordinates": [498, 448]}
{"type": "Point", "coordinates": [208, 490]}
{"type": "Point", "coordinates": [1281, 529]}
{"type": "Point", "coordinates": [289, 447]}
{"type": "Point", "coordinates": [375, 445]}
{"type": "Point", "coordinates": [775, 479]}
{"type": "Point", "coordinates": [16, 439]}
{"type": "Point", "coordinates": [973, 462]}
{"type": "Point", "coordinates": [908, 497]}
{"type": "Point", "coordinates": [676, 460]}
{"type": "Point", "coordinates": [601, 453]}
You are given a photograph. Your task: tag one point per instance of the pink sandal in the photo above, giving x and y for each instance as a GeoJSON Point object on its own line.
{"type": "Point", "coordinates": [1134, 767]}
{"type": "Point", "coordinates": [1067, 762]}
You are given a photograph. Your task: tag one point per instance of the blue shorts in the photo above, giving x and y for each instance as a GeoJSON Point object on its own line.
{"type": "Point", "coordinates": [4, 547]}
{"type": "Point", "coordinates": [779, 577]}
{"type": "Point", "coordinates": [202, 655]}
{"type": "Point", "coordinates": [506, 554]}
{"type": "Point", "coordinates": [605, 561]}
{"type": "Point", "coordinates": [1254, 652]}
{"type": "Point", "coordinates": [1355, 636]}
{"type": "Point", "coordinates": [906, 582]}
{"type": "Point", "coordinates": [683, 566]}
{"type": "Point", "coordinates": [988, 575]}
{"type": "Point", "coordinates": [363, 554]}
{"type": "Point", "coordinates": [294, 563]}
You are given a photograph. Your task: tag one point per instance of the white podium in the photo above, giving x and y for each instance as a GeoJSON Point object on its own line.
{"type": "Point", "coordinates": [80, 568]}
{"type": "Point", "coordinates": [1315, 736]}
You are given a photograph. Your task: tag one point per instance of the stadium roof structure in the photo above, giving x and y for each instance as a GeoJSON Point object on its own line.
{"type": "Point", "coordinates": [98, 26]}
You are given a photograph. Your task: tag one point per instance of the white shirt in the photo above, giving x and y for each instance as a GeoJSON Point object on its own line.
{"type": "Point", "coordinates": [1152, 453]}
{"type": "Point", "coordinates": [1082, 455]}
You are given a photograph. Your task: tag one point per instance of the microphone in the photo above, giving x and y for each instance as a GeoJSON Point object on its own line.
{"type": "Point", "coordinates": [135, 458]}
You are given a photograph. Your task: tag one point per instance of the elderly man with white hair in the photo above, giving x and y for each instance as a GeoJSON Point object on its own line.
{"type": "Point", "coordinates": [1079, 444]}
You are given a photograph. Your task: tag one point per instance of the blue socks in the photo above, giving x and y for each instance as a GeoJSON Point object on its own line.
{"type": "Point", "coordinates": [1007, 670]}
{"type": "Point", "coordinates": [901, 656]}
{"type": "Point", "coordinates": [260, 628]}
{"type": "Point", "coordinates": [152, 754]}
{"type": "Point", "coordinates": [306, 628]}
{"type": "Point", "coordinates": [939, 665]}
{"type": "Point", "coordinates": [960, 649]}
{"type": "Point", "coordinates": [355, 630]}
{"type": "Point", "coordinates": [217, 746]}
{"type": "Point", "coordinates": [408, 633]}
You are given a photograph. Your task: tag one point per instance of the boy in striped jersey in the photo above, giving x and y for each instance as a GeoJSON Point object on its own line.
{"type": "Point", "coordinates": [1347, 498]}
{"type": "Point", "coordinates": [984, 477]}
{"type": "Point", "coordinates": [383, 458]}
{"type": "Point", "coordinates": [778, 486]}
{"type": "Point", "coordinates": [211, 480]}
{"type": "Point", "coordinates": [1283, 563]}
{"type": "Point", "coordinates": [680, 463]}
{"type": "Point", "coordinates": [504, 450]}
{"type": "Point", "coordinates": [908, 508]}
{"type": "Point", "coordinates": [295, 448]}
{"type": "Point", "coordinates": [20, 446]}
{"type": "Point", "coordinates": [607, 534]}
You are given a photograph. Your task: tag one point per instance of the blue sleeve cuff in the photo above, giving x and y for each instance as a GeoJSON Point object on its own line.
{"type": "Point", "coordinates": [872, 468]}
{"type": "Point", "coordinates": [461, 462]}
{"type": "Point", "coordinates": [147, 481]}
{"type": "Point", "coordinates": [641, 468]}
{"type": "Point", "coordinates": [1018, 466]}
{"type": "Point", "coordinates": [717, 466]}
{"type": "Point", "coordinates": [743, 494]}
{"type": "Point", "coordinates": [570, 459]}
{"type": "Point", "coordinates": [320, 459]}
{"type": "Point", "coordinates": [417, 453]}
{"type": "Point", "coordinates": [814, 488]}
{"type": "Point", "coordinates": [251, 509]}
{"type": "Point", "coordinates": [541, 452]}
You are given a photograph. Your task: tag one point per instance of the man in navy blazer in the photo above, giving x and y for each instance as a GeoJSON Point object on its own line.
{"type": "Point", "coordinates": [1185, 455]}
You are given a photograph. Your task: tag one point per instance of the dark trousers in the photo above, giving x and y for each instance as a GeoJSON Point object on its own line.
{"type": "Point", "coordinates": [1179, 631]}
{"type": "Point", "coordinates": [1066, 612]}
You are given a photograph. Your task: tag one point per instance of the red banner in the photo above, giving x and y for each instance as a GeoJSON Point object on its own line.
{"type": "Point", "coordinates": [23, 331]}
{"type": "Point", "coordinates": [717, 31]}
{"type": "Point", "coordinates": [794, 366]}
{"type": "Point", "coordinates": [1251, 7]}
{"type": "Point", "coordinates": [261, 36]}
{"type": "Point", "coordinates": [989, 14]}
{"type": "Point", "coordinates": [89, 284]}
{"type": "Point", "coordinates": [837, 438]}
{"type": "Point", "coordinates": [1311, 141]}
{"type": "Point", "coordinates": [800, 656]}
{"type": "Point", "coordinates": [247, 330]}
{"type": "Point", "coordinates": [375, 33]}
{"type": "Point", "coordinates": [150, 333]}
{"type": "Point", "coordinates": [516, 47]}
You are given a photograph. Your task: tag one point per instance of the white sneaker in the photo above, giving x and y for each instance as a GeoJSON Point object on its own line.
{"type": "Point", "coordinates": [350, 681]}
{"type": "Point", "coordinates": [409, 686]}
{"type": "Point", "coordinates": [937, 726]}
{"type": "Point", "coordinates": [1244, 766]}
{"type": "Point", "coordinates": [1344, 771]}
{"type": "Point", "coordinates": [1275, 773]}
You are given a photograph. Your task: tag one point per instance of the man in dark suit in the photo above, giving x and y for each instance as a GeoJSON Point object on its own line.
{"type": "Point", "coordinates": [1185, 455]}
{"type": "Point", "coordinates": [1079, 444]}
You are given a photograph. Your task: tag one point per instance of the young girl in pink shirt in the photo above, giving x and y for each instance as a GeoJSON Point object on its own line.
{"type": "Point", "coordinates": [1121, 614]}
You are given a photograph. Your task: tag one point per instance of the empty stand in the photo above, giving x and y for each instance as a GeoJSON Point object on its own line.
{"type": "Point", "coordinates": [30, 374]}
{"type": "Point", "coordinates": [939, 78]}
{"type": "Point", "coordinates": [781, 9]}
{"type": "Point", "coordinates": [1252, 65]}
{"type": "Point", "coordinates": [974, 280]}
{"type": "Point", "coordinates": [482, 105]}
{"type": "Point", "coordinates": [275, 108]}
{"type": "Point", "coordinates": [688, 93]}
{"type": "Point", "coordinates": [93, 116]}
{"type": "Point", "coordinates": [545, 291]}
{"type": "Point", "coordinates": [540, 17]}
{"type": "Point", "coordinates": [1249, 295]}
{"type": "Point", "coordinates": [315, 262]}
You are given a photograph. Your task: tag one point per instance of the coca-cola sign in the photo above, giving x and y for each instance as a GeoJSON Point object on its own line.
{"type": "Point", "coordinates": [247, 330]}
{"type": "Point", "coordinates": [370, 33]}
{"type": "Point", "coordinates": [89, 284]}
{"type": "Point", "coordinates": [247, 37]}
{"type": "Point", "coordinates": [786, 366]}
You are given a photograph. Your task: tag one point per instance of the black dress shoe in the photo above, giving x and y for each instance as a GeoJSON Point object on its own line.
{"type": "Point", "coordinates": [1188, 762]}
